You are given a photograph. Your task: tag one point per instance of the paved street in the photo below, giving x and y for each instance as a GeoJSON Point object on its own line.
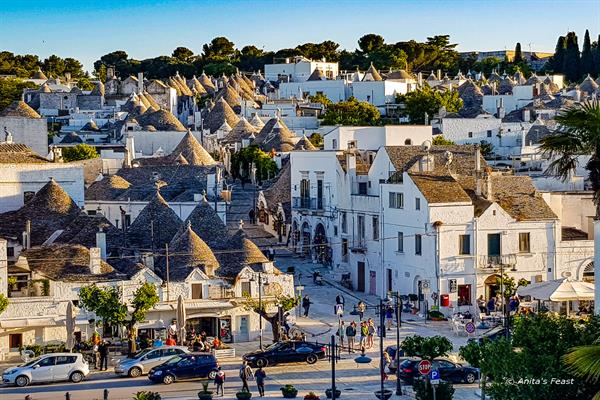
{"type": "Point", "coordinates": [356, 381]}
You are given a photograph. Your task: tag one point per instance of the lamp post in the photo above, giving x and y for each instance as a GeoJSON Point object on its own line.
{"type": "Point", "coordinates": [253, 176]}
{"type": "Point", "coordinates": [398, 306]}
{"type": "Point", "coordinates": [260, 324]}
{"type": "Point", "coordinates": [299, 290]}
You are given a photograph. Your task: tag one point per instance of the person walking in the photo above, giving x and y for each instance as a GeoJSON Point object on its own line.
{"type": "Point", "coordinates": [361, 308]}
{"type": "Point", "coordinates": [103, 350]}
{"type": "Point", "coordinates": [481, 304]}
{"type": "Point", "coordinates": [260, 376]}
{"type": "Point", "coordinates": [389, 317]}
{"type": "Point", "coordinates": [351, 334]}
{"type": "Point", "coordinates": [306, 305]}
{"type": "Point", "coordinates": [219, 381]}
{"type": "Point", "coordinates": [341, 332]}
{"type": "Point", "coordinates": [246, 374]}
{"type": "Point", "coordinates": [339, 299]}
{"type": "Point", "coordinates": [371, 332]}
{"type": "Point", "coordinates": [364, 333]}
{"type": "Point", "coordinates": [387, 361]}
{"type": "Point", "coordinates": [491, 305]}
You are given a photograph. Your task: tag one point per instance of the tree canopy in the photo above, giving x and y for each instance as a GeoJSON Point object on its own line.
{"type": "Point", "coordinates": [568, 60]}
{"type": "Point", "coordinates": [427, 100]}
{"type": "Point", "coordinates": [352, 112]}
{"type": "Point", "coordinates": [79, 152]}
{"type": "Point", "coordinates": [3, 303]}
{"type": "Point", "coordinates": [24, 66]}
{"type": "Point", "coordinates": [11, 89]}
{"type": "Point", "coordinates": [242, 160]}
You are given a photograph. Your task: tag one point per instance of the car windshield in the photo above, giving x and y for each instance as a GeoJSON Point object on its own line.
{"type": "Point", "coordinates": [142, 353]}
{"type": "Point", "coordinates": [274, 346]}
{"type": "Point", "coordinates": [174, 360]}
{"type": "Point", "coordinates": [30, 363]}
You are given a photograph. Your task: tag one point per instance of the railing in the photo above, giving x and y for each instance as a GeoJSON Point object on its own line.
{"type": "Point", "coordinates": [497, 261]}
{"type": "Point", "coordinates": [308, 203]}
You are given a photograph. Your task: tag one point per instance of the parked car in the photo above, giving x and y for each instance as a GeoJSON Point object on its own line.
{"type": "Point", "coordinates": [52, 367]}
{"type": "Point", "coordinates": [493, 334]}
{"type": "Point", "coordinates": [449, 371]}
{"type": "Point", "coordinates": [185, 367]}
{"type": "Point", "coordinates": [141, 362]}
{"type": "Point", "coordinates": [286, 352]}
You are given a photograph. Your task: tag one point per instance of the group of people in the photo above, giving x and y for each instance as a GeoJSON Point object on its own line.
{"type": "Point", "coordinates": [246, 374]}
{"type": "Point", "coordinates": [100, 348]}
{"type": "Point", "coordinates": [495, 303]}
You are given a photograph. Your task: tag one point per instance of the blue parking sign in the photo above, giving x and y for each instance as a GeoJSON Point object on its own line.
{"type": "Point", "coordinates": [434, 377]}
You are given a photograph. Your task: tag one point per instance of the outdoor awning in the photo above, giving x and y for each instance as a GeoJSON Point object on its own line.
{"type": "Point", "coordinates": [28, 322]}
{"type": "Point", "coordinates": [559, 290]}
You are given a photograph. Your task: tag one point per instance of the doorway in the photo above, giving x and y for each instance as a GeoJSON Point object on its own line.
{"type": "Point", "coordinates": [361, 276]}
{"type": "Point", "coordinates": [491, 286]}
{"type": "Point", "coordinates": [373, 282]}
{"type": "Point", "coordinates": [202, 324]}
{"type": "Point", "coordinates": [242, 322]}
{"type": "Point", "coordinates": [389, 279]}
{"type": "Point", "coordinates": [15, 341]}
{"type": "Point", "coordinates": [464, 295]}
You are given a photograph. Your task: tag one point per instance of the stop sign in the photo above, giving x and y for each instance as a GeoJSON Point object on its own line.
{"type": "Point", "coordinates": [424, 367]}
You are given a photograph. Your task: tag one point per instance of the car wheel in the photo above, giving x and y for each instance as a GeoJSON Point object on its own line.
{"type": "Point", "coordinates": [212, 375]}
{"type": "Point", "coordinates": [168, 379]}
{"type": "Point", "coordinates": [261, 363]}
{"type": "Point", "coordinates": [135, 372]}
{"type": "Point", "coordinates": [470, 378]}
{"type": "Point", "coordinates": [76, 377]}
{"type": "Point", "coordinates": [311, 358]}
{"type": "Point", "coordinates": [22, 381]}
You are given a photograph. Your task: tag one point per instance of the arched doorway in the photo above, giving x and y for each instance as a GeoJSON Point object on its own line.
{"type": "Point", "coordinates": [263, 215]}
{"type": "Point", "coordinates": [491, 286]}
{"type": "Point", "coordinates": [322, 249]}
{"type": "Point", "coordinates": [588, 273]}
{"type": "Point", "coordinates": [305, 239]}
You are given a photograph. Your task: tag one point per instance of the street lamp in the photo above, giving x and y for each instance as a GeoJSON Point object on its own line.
{"type": "Point", "coordinates": [398, 306]}
{"type": "Point", "coordinates": [260, 325]}
{"type": "Point", "coordinates": [253, 177]}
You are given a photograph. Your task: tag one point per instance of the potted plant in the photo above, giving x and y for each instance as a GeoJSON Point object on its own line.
{"type": "Point", "coordinates": [312, 396]}
{"type": "Point", "coordinates": [338, 393]}
{"type": "Point", "coordinates": [147, 396]}
{"type": "Point", "coordinates": [385, 395]}
{"type": "Point", "coordinates": [435, 315]}
{"type": "Point", "coordinates": [205, 394]}
{"type": "Point", "coordinates": [289, 392]}
{"type": "Point", "coordinates": [243, 395]}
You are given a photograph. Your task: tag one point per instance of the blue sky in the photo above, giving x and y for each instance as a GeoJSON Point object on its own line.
{"type": "Point", "coordinates": [86, 29]}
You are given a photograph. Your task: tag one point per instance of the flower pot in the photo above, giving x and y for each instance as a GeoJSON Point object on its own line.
{"type": "Point", "coordinates": [289, 392]}
{"type": "Point", "coordinates": [385, 395]}
{"type": "Point", "coordinates": [338, 393]}
{"type": "Point", "coordinates": [243, 395]}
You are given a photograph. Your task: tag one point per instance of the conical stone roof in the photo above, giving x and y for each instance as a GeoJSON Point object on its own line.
{"type": "Point", "coordinates": [372, 74]}
{"type": "Point", "coordinates": [305, 144]}
{"type": "Point", "coordinates": [208, 84]}
{"type": "Point", "coordinates": [162, 120]}
{"type": "Point", "coordinates": [220, 113]}
{"type": "Point", "coordinates": [275, 135]}
{"type": "Point", "coordinates": [317, 75]}
{"type": "Point", "coordinates": [20, 109]}
{"type": "Point", "coordinates": [192, 151]}
{"type": "Point", "coordinates": [241, 131]}
{"type": "Point", "coordinates": [257, 122]}
{"type": "Point", "coordinates": [205, 222]}
{"type": "Point", "coordinates": [39, 74]}
{"type": "Point", "coordinates": [230, 95]}
{"type": "Point", "coordinates": [110, 187]}
{"type": "Point", "coordinates": [241, 252]}
{"type": "Point", "coordinates": [588, 85]}
{"type": "Point", "coordinates": [155, 226]}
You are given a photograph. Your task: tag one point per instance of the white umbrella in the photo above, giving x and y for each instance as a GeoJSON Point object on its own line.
{"type": "Point", "coordinates": [559, 290]}
{"type": "Point", "coordinates": [180, 320]}
{"type": "Point", "coordinates": [70, 325]}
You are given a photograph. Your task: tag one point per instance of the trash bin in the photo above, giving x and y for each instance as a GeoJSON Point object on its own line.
{"type": "Point", "coordinates": [445, 300]}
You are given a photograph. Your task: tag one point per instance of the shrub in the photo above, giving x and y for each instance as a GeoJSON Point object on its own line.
{"type": "Point", "coordinates": [147, 395]}
{"type": "Point", "coordinates": [423, 390]}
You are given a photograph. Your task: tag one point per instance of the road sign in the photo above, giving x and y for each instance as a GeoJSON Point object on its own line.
{"type": "Point", "coordinates": [424, 367]}
{"type": "Point", "coordinates": [434, 377]}
{"type": "Point", "coordinates": [470, 327]}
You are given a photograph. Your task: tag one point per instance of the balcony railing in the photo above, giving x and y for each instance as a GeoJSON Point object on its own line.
{"type": "Point", "coordinates": [505, 261]}
{"type": "Point", "coordinates": [308, 203]}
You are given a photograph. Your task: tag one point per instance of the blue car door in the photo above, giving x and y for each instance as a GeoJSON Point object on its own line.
{"type": "Point", "coordinates": [185, 368]}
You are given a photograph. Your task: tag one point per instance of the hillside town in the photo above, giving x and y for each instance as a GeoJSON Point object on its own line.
{"type": "Point", "coordinates": [227, 213]}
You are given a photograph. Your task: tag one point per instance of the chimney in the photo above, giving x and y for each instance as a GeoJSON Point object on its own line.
{"type": "Point", "coordinates": [95, 261]}
{"type": "Point", "coordinates": [526, 115]}
{"type": "Point", "coordinates": [57, 154]}
{"type": "Point", "coordinates": [101, 243]}
{"type": "Point", "coordinates": [420, 79]}
{"type": "Point", "coordinates": [500, 110]}
{"type": "Point", "coordinates": [140, 82]}
{"type": "Point", "coordinates": [110, 73]}
{"type": "Point", "coordinates": [27, 235]}
{"type": "Point", "coordinates": [148, 260]}
{"type": "Point", "coordinates": [130, 145]}
{"type": "Point", "coordinates": [478, 170]}
{"type": "Point", "coordinates": [488, 192]}
{"type": "Point", "coordinates": [439, 74]}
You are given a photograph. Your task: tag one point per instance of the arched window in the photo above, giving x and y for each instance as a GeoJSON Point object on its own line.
{"type": "Point", "coordinates": [588, 273]}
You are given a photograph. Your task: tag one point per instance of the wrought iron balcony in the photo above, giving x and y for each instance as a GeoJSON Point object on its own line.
{"type": "Point", "coordinates": [494, 262]}
{"type": "Point", "coordinates": [308, 203]}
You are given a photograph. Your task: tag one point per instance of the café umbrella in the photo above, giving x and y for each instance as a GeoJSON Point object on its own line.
{"type": "Point", "coordinates": [180, 320]}
{"type": "Point", "coordinates": [559, 290]}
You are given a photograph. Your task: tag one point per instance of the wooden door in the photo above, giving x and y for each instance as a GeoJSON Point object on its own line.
{"type": "Point", "coordinates": [361, 276]}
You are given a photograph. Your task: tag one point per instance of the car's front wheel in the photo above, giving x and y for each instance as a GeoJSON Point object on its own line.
{"type": "Point", "coordinates": [168, 379]}
{"type": "Point", "coordinates": [470, 377]}
{"type": "Point", "coordinates": [261, 362]}
{"type": "Point", "coordinates": [22, 381]}
{"type": "Point", "coordinates": [135, 372]}
{"type": "Point", "coordinates": [311, 358]}
{"type": "Point", "coordinates": [76, 377]}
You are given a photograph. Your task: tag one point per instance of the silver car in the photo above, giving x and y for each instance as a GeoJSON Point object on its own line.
{"type": "Point", "coordinates": [51, 367]}
{"type": "Point", "coordinates": [141, 362]}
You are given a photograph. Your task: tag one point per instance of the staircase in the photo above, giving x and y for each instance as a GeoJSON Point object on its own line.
{"type": "Point", "coordinates": [242, 200]}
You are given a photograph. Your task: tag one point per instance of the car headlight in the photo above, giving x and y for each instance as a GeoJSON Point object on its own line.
{"type": "Point", "coordinates": [249, 357]}
{"type": "Point", "coordinates": [157, 372]}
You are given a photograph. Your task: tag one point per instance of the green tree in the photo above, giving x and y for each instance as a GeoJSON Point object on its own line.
{"type": "Point", "coordinates": [265, 308]}
{"type": "Point", "coordinates": [578, 133]}
{"type": "Point", "coordinates": [518, 58]}
{"type": "Point", "coordinates": [316, 139]}
{"type": "Point", "coordinates": [219, 48]}
{"type": "Point", "coordinates": [352, 112]}
{"type": "Point", "coordinates": [572, 61]}
{"type": "Point", "coordinates": [253, 59]}
{"type": "Point", "coordinates": [100, 74]}
{"type": "Point", "coordinates": [440, 140]}
{"type": "Point", "coordinates": [320, 98]}
{"type": "Point", "coordinates": [587, 57]}
{"type": "Point", "coordinates": [79, 152]}
{"type": "Point", "coordinates": [11, 89]}
{"type": "Point", "coordinates": [557, 61]}
{"type": "Point", "coordinates": [428, 100]}
{"type": "Point", "coordinates": [84, 83]}
{"type": "Point", "coordinates": [486, 148]}
{"type": "Point", "coordinates": [183, 54]}
{"type": "Point", "coordinates": [242, 161]}
{"type": "Point", "coordinates": [584, 362]}
{"type": "Point", "coordinates": [219, 68]}
{"type": "Point", "coordinates": [370, 42]}
{"type": "Point", "coordinates": [427, 348]}
{"type": "Point", "coordinates": [3, 303]}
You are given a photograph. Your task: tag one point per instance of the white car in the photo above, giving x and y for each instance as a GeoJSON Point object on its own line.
{"type": "Point", "coordinates": [143, 361]}
{"type": "Point", "coordinates": [51, 367]}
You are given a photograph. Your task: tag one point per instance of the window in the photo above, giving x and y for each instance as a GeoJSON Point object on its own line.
{"type": "Point", "coordinates": [47, 362]}
{"type": "Point", "coordinates": [494, 245]}
{"type": "Point", "coordinates": [334, 144]}
{"type": "Point", "coordinates": [10, 251]}
{"type": "Point", "coordinates": [345, 250]}
{"type": "Point", "coordinates": [396, 200]}
{"type": "Point", "coordinates": [470, 134]}
{"type": "Point", "coordinates": [375, 228]}
{"type": "Point", "coordinates": [344, 222]}
{"type": "Point", "coordinates": [171, 352]}
{"type": "Point", "coordinates": [153, 354]}
{"type": "Point", "coordinates": [361, 229]}
{"type": "Point", "coordinates": [417, 203]}
{"type": "Point", "coordinates": [246, 289]}
{"type": "Point", "coordinates": [335, 232]}
{"type": "Point", "coordinates": [362, 188]}
{"type": "Point", "coordinates": [196, 290]}
{"type": "Point", "coordinates": [418, 249]}
{"type": "Point", "coordinates": [489, 133]}
{"type": "Point", "coordinates": [400, 242]}
{"type": "Point", "coordinates": [524, 244]}
{"type": "Point", "coordinates": [320, 194]}
{"type": "Point", "coordinates": [63, 360]}
{"type": "Point", "coordinates": [464, 244]}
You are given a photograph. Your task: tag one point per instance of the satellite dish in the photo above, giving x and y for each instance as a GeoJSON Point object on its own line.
{"type": "Point", "coordinates": [426, 145]}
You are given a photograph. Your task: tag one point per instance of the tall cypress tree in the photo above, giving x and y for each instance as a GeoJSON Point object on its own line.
{"type": "Point", "coordinates": [557, 60]}
{"type": "Point", "coordinates": [597, 57]}
{"type": "Point", "coordinates": [587, 58]}
{"type": "Point", "coordinates": [572, 61]}
{"type": "Point", "coordinates": [518, 54]}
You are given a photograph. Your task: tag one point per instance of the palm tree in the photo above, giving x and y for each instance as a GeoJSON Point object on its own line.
{"type": "Point", "coordinates": [584, 361]}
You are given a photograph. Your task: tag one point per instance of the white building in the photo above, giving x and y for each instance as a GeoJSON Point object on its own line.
{"type": "Point", "coordinates": [25, 126]}
{"type": "Point", "coordinates": [373, 137]}
{"type": "Point", "coordinates": [298, 69]}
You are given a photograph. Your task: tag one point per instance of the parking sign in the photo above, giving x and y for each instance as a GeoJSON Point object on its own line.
{"type": "Point", "coordinates": [434, 376]}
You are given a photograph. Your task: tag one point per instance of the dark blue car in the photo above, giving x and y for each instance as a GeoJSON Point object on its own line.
{"type": "Point", "coordinates": [449, 371]}
{"type": "Point", "coordinates": [185, 367]}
